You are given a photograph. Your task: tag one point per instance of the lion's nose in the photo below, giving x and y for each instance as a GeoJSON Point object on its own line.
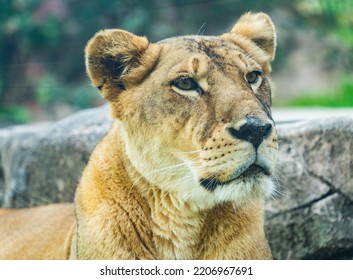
{"type": "Point", "coordinates": [253, 131]}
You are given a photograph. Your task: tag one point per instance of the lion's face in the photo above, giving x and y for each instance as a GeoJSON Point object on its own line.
{"type": "Point", "coordinates": [194, 111]}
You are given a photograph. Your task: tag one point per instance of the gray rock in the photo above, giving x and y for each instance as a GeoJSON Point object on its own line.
{"type": "Point", "coordinates": [311, 216]}
{"type": "Point", "coordinates": [41, 164]}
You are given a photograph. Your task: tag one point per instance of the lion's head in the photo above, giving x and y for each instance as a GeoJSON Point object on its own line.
{"type": "Point", "coordinates": [194, 111]}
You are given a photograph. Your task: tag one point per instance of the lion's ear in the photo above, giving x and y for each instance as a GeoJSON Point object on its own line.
{"type": "Point", "coordinates": [255, 29]}
{"type": "Point", "coordinates": [117, 60]}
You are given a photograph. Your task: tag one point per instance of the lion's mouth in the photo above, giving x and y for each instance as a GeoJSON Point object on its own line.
{"type": "Point", "coordinates": [254, 169]}
{"type": "Point", "coordinates": [212, 183]}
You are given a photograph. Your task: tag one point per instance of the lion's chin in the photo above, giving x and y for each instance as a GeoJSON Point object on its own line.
{"type": "Point", "coordinates": [246, 173]}
{"type": "Point", "coordinates": [239, 191]}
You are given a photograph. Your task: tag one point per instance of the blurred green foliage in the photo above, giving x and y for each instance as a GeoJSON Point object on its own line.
{"type": "Point", "coordinates": [341, 95]}
{"type": "Point", "coordinates": [16, 114]}
{"type": "Point", "coordinates": [330, 16]}
{"type": "Point", "coordinates": [42, 41]}
{"type": "Point", "coordinates": [49, 92]}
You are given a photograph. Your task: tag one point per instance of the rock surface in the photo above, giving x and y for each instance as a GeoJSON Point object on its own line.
{"type": "Point", "coordinates": [41, 164]}
{"type": "Point", "coordinates": [311, 216]}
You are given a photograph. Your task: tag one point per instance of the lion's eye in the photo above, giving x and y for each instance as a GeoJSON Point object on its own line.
{"type": "Point", "coordinates": [186, 86]}
{"type": "Point", "coordinates": [185, 83]}
{"type": "Point", "coordinates": [253, 77]}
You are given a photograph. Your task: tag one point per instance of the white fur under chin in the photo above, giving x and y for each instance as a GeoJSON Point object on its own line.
{"type": "Point", "coordinates": [236, 192]}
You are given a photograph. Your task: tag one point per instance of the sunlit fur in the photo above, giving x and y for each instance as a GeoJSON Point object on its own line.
{"type": "Point", "coordinates": [141, 195]}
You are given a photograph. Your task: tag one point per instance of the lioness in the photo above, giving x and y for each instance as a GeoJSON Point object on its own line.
{"type": "Point", "coordinates": [185, 168]}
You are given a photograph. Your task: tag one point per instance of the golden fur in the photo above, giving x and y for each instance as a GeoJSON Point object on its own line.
{"type": "Point", "coordinates": [38, 233]}
{"type": "Point", "coordinates": [172, 179]}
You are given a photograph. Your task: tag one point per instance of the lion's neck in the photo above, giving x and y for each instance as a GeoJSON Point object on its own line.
{"type": "Point", "coordinates": [176, 226]}
{"type": "Point", "coordinates": [167, 227]}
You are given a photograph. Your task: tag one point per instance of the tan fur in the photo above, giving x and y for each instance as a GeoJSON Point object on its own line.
{"type": "Point", "coordinates": [143, 193]}
{"type": "Point", "coordinates": [38, 233]}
